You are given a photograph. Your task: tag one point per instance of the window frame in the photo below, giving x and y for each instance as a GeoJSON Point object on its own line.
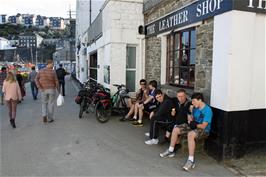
{"type": "Point", "coordinates": [171, 64]}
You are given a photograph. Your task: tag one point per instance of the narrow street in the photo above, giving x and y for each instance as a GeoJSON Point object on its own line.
{"type": "Point", "coordinates": [84, 147]}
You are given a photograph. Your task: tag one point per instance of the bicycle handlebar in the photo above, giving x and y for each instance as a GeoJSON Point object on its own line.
{"type": "Point", "coordinates": [117, 85]}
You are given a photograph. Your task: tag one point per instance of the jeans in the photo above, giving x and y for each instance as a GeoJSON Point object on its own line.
{"type": "Point", "coordinates": [48, 102]}
{"type": "Point", "coordinates": [34, 90]}
{"type": "Point", "coordinates": [1, 96]}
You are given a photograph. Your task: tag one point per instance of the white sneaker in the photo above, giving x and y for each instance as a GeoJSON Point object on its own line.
{"type": "Point", "coordinates": [152, 141]}
{"type": "Point", "coordinates": [147, 134]}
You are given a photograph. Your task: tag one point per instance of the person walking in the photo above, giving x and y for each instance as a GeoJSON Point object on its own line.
{"type": "Point", "coordinates": [61, 73]}
{"type": "Point", "coordinates": [12, 94]}
{"type": "Point", "coordinates": [2, 78]}
{"type": "Point", "coordinates": [21, 84]}
{"type": "Point", "coordinates": [32, 77]}
{"type": "Point", "coordinates": [47, 82]}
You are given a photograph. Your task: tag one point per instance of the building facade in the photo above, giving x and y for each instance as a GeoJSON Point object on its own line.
{"type": "Point", "coordinates": [30, 40]}
{"type": "Point", "coordinates": [86, 12]}
{"type": "Point", "coordinates": [41, 21]}
{"type": "Point", "coordinates": [112, 46]}
{"type": "Point", "coordinates": [56, 23]}
{"type": "Point", "coordinates": [28, 19]}
{"type": "Point", "coordinates": [218, 48]}
{"type": "Point", "coordinates": [3, 19]}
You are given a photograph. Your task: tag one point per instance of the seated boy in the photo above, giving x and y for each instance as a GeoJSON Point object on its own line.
{"type": "Point", "coordinates": [148, 105]}
{"type": "Point", "coordinates": [141, 96]}
{"type": "Point", "coordinates": [199, 124]}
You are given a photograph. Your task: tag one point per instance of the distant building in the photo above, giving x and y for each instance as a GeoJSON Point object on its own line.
{"type": "Point", "coordinates": [30, 40]}
{"type": "Point", "coordinates": [41, 21]}
{"type": "Point", "coordinates": [3, 19]}
{"type": "Point", "coordinates": [5, 44]}
{"type": "Point", "coordinates": [28, 19]}
{"type": "Point", "coordinates": [12, 19]}
{"type": "Point", "coordinates": [6, 50]}
{"type": "Point", "coordinates": [56, 23]}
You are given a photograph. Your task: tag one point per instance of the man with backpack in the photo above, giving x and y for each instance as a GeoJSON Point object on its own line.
{"type": "Point", "coordinates": [61, 73]}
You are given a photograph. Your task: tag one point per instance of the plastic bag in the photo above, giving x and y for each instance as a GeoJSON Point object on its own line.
{"type": "Point", "coordinates": [60, 100]}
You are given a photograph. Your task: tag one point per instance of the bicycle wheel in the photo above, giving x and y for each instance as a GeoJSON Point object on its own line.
{"type": "Point", "coordinates": [102, 114]}
{"type": "Point", "coordinates": [123, 109]}
{"type": "Point", "coordinates": [81, 110]}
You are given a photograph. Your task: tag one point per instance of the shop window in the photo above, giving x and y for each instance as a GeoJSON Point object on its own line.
{"type": "Point", "coordinates": [181, 56]}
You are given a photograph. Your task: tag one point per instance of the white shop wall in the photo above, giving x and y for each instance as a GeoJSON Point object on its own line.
{"type": "Point", "coordinates": [120, 28]}
{"type": "Point", "coordinates": [238, 79]}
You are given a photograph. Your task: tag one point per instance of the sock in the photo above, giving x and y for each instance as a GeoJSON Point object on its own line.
{"type": "Point", "coordinates": [140, 121]}
{"type": "Point", "coordinates": [135, 117]}
{"type": "Point", "coordinates": [191, 158]}
{"type": "Point", "coordinates": [171, 149]}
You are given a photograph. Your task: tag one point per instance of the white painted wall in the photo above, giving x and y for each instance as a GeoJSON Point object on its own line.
{"type": "Point", "coordinates": [4, 43]}
{"type": "Point", "coordinates": [120, 28]}
{"type": "Point", "coordinates": [163, 58]}
{"type": "Point", "coordinates": [82, 24]}
{"type": "Point", "coordinates": [238, 79]}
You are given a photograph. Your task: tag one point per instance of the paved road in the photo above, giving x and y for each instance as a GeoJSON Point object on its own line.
{"type": "Point", "coordinates": [73, 147]}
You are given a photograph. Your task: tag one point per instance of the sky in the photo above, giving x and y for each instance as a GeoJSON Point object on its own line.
{"type": "Point", "coordinates": [49, 8]}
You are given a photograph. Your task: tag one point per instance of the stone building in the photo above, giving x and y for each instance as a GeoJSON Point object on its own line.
{"type": "Point", "coordinates": [216, 47]}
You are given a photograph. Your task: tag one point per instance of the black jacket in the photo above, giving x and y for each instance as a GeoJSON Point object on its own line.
{"type": "Point", "coordinates": [61, 73]}
{"type": "Point", "coordinates": [181, 111]}
{"type": "Point", "coordinates": [165, 108]}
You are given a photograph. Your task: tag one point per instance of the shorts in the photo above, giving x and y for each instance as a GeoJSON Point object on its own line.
{"type": "Point", "coordinates": [184, 129]}
{"type": "Point", "coordinates": [149, 108]}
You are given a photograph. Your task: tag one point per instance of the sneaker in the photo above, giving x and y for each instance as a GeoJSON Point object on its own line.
{"type": "Point", "coordinates": [167, 153]}
{"type": "Point", "coordinates": [137, 124]}
{"type": "Point", "coordinates": [133, 119]}
{"type": "Point", "coordinates": [152, 141]}
{"type": "Point", "coordinates": [50, 121]}
{"type": "Point", "coordinates": [147, 134]}
{"type": "Point", "coordinates": [189, 165]}
{"type": "Point", "coordinates": [123, 119]}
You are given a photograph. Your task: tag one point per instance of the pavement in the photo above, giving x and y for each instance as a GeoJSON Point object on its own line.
{"type": "Point", "coordinates": [84, 147]}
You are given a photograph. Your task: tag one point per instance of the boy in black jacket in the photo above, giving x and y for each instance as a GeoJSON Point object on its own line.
{"type": "Point", "coordinates": [161, 116]}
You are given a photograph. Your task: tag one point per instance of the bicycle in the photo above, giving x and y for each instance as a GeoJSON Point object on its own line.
{"type": "Point", "coordinates": [87, 98]}
{"type": "Point", "coordinates": [107, 105]}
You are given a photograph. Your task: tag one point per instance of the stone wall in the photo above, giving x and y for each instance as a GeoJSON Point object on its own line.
{"type": "Point", "coordinates": [153, 44]}
{"type": "Point", "coordinates": [204, 32]}
{"type": "Point", "coordinates": [153, 59]}
{"type": "Point", "coordinates": [203, 68]}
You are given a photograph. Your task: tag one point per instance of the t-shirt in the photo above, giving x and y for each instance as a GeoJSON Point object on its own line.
{"type": "Point", "coordinates": [152, 103]}
{"type": "Point", "coordinates": [32, 76]}
{"type": "Point", "coordinates": [203, 115]}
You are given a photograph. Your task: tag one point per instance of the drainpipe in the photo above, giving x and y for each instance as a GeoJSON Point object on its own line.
{"type": "Point", "coordinates": [90, 12]}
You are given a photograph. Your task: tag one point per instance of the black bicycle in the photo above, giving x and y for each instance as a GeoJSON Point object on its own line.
{"type": "Point", "coordinates": [86, 97]}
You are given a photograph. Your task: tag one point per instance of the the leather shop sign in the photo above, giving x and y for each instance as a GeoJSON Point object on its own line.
{"type": "Point", "coordinates": [201, 10]}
